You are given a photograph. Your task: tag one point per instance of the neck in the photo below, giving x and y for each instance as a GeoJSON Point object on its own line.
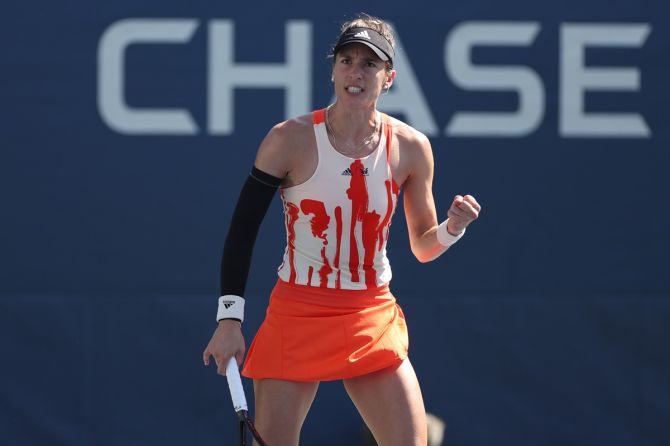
{"type": "Point", "coordinates": [353, 124]}
{"type": "Point", "coordinates": [354, 134]}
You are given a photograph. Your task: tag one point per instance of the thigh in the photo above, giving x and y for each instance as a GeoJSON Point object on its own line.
{"type": "Point", "coordinates": [391, 404]}
{"type": "Point", "coordinates": [281, 408]}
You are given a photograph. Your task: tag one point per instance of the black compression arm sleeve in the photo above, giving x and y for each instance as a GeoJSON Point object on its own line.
{"type": "Point", "coordinates": [253, 203]}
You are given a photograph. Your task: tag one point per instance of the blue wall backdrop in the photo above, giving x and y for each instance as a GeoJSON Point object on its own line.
{"type": "Point", "coordinates": [127, 129]}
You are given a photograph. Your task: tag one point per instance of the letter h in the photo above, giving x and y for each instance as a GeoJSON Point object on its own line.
{"type": "Point", "coordinates": [224, 74]}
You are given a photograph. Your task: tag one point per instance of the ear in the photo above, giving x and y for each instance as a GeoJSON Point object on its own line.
{"type": "Point", "coordinates": [390, 77]}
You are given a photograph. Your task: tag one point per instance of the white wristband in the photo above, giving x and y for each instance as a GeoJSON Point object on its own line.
{"type": "Point", "coordinates": [230, 307]}
{"type": "Point", "coordinates": [444, 237]}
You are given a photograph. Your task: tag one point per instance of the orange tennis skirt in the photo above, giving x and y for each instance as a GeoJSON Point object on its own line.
{"type": "Point", "coordinates": [321, 334]}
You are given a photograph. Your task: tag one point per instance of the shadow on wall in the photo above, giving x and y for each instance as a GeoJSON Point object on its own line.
{"type": "Point", "coordinates": [436, 428]}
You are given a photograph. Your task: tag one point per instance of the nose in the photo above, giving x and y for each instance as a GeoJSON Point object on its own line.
{"type": "Point", "coordinates": [356, 71]}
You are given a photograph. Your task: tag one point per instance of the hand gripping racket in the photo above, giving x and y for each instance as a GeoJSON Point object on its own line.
{"type": "Point", "coordinates": [240, 403]}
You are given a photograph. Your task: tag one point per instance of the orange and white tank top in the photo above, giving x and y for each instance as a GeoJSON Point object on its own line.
{"type": "Point", "coordinates": [337, 222]}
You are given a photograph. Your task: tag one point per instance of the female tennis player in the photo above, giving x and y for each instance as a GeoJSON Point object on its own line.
{"type": "Point", "coordinates": [331, 316]}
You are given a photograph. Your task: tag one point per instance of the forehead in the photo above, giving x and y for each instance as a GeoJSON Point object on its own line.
{"type": "Point", "coordinates": [356, 49]}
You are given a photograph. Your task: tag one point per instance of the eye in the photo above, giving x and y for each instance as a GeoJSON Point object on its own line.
{"type": "Point", "coordinates": [345, 60]}
{"type": "Point", "coordinates": [372, 64]}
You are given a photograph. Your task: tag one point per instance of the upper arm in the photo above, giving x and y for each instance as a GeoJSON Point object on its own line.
{"type": "Point", "coordinates": [418, 202]}
{"type": "Point", "coordinates": [273, 156]}
{"type": "Point", "coordinates": [288, 151]}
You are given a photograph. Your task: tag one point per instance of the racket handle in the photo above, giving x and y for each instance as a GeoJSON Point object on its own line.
{"type": "Point", "coordinates": [235, 386]}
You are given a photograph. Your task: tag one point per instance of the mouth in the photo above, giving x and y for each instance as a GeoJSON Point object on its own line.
{"type": "Point", "coordinates": [355, 90]}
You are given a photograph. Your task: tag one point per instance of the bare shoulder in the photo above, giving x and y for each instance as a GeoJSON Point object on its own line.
{"type": "Point", "coordinates": [285, 144]}
{"type": "Point", "coordinates": [408, 136]}
{"type": "Point", "coordinates": [411, 151]}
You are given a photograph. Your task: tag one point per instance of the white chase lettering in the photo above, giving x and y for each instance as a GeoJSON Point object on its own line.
{"type": "Point", "coordinates": [406, 98]}
{"type": "Point", "coordinates": [522, 80]}
{"type": "Point", "coordinates": [112, 106]}
{"type": "Point", "coordinates": [576, 79]}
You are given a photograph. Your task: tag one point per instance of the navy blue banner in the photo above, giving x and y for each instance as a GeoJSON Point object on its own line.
{"type": "Point", "coordinates": [128, 129]}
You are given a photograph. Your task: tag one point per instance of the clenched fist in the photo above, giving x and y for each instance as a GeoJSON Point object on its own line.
{"type": "Point", "coordinates": [463, 211]}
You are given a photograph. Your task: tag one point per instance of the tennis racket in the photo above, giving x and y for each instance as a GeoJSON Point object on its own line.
{"type": "Point", "coordinates": [240, 403]}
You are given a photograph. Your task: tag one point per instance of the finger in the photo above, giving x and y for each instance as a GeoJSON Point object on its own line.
{"type": "Point", "coordinates": [205, 357]}
{"type": "Point", "coordinates": [456, 213]}
{"type": "Point", "coordinates": [466, 210]}
{"type": "Point", "coordinates": [458, 199]}
{"type": "Point", "coordinates": [470, 199]}
{"type": "Point", "coordinates": [239, 357]}
{"type": "Point", "coordinates": [221, 364]}
{"type": "Point", "coordinates": [460, 208]}
{"type": "Point", "coordinates": [460, 217]}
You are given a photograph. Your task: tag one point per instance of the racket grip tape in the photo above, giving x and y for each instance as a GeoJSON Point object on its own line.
{"type": "Point", "coordinates": [235, 386]}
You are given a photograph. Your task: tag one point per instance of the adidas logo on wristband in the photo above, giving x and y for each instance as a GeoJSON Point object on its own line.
{"type": "Point", "coordinates": [230, 307]}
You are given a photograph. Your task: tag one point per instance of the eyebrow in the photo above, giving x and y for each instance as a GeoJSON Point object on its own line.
{"type": "Point", "coordinates": [343, 53]}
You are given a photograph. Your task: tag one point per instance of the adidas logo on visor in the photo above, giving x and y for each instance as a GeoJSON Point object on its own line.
{"type": "Point", "coordinates": [363, 34]}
